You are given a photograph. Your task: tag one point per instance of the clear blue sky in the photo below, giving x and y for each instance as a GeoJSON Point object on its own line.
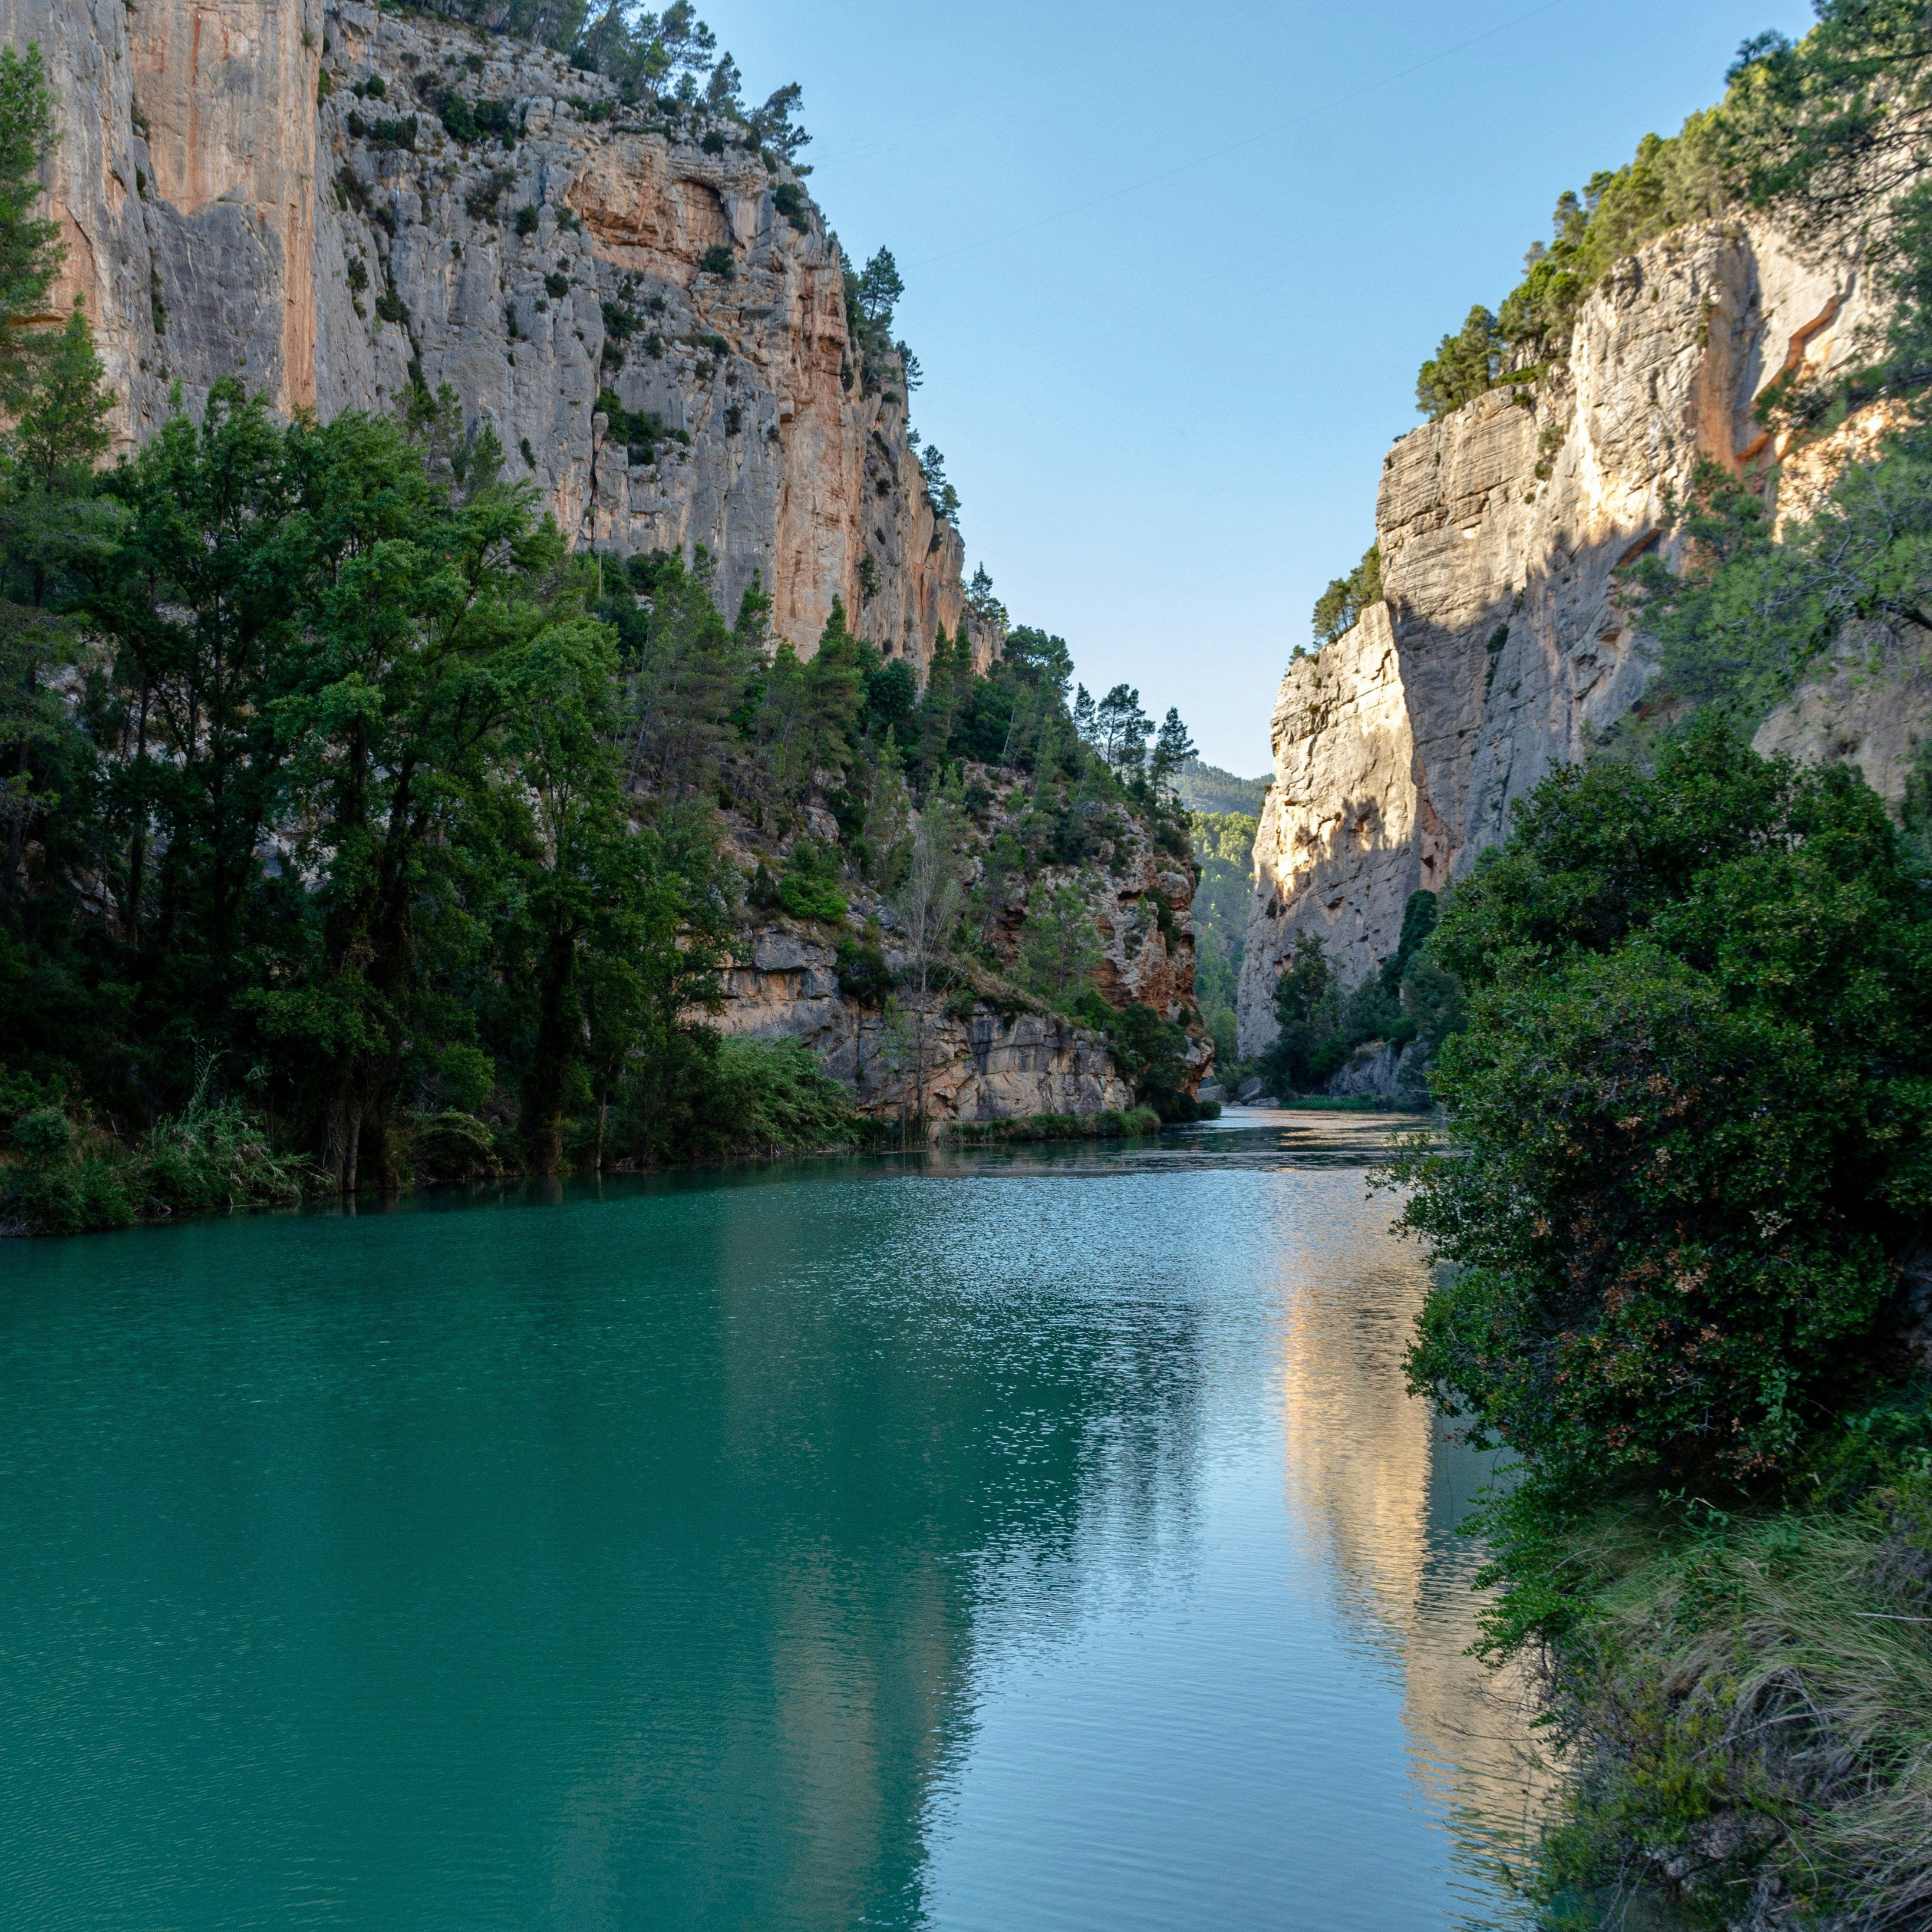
{"type": "Point", "coordinates": [1170, 270]}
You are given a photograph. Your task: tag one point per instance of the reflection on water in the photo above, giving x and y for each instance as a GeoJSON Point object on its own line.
{"type": "Point", "coordinates": [1034, 1539]}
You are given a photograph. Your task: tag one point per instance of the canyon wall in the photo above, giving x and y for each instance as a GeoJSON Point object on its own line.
{"type": "Point", "coordinates": [232, 207]}
{"type": "Point", "coordinates": [1500, 647]}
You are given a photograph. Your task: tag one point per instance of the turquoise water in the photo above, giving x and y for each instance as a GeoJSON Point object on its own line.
{"type": "Point", "coordinates": [1001, 1542]}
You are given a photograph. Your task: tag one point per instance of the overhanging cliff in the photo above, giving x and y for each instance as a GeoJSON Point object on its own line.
{"type": "Point", "coordinates": [233, 207]}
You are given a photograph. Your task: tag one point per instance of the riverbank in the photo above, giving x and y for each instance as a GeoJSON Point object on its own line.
{"type": "Point", "coordinates": [1745, 1694]}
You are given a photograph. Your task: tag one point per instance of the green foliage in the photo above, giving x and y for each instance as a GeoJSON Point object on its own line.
{"type": "Point", "coordinates": [1744, 617]}
{"type": "Point", "coordinates": [30, 246]}
{"type": "Point", "coordinates": [1150, 1051]}
{"type": "Point", "coordinates": [719, 261]}
{"type": "Point", "coordinates": [772, 1097]}
{"type": "Point", "coordinates": [527, 219]}
{"type": "Point", "coordinates": [808, 888]}
{"type": "Point", "coordinates": [458, 118]}
{"type": "Point", "coordinates": [1223, 851]}
{"type": "Point", "coordinates": [1463, 367]}
{"type": "Point", "coordinates": [1059, 947]}
{"type": "Point", "coordinates": [67, 1179]}
{"type": "Point", "coordinates": [1208, 789]}
{"type": "Point", "coordinates": [1311, 1043]}
{"type": "Point", "coordinates": [863, 974]}
{"type": "Point", "coordinates": [1689, 1115]}
{"type": "Point", "coordinates": [639, 429]}
{"type": "Point", "coordinates": [1340, 606]}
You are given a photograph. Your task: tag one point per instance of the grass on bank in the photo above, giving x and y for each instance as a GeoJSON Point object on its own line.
{"type": "Point", "coordinates": [1746, 1694]}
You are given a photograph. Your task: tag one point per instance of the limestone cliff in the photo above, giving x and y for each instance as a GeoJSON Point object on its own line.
{"type": "Point", "coordinates": [233, 206]}
{"type": "Point", "coordinates": [1500, 646]}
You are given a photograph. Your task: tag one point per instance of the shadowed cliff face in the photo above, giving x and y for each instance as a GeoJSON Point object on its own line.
{"type": "Point", "coordinates": [222, 220]}
{"type": "Point", "coordinates": [1500, 647]}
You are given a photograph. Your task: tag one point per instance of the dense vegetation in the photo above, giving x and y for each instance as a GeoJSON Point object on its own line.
{"type": "Point", "coordinates": [1687, 1136]}
{"type": "Point", "coordinates": [356, 832]}
{"type": "Point", "coordinates": [1413, 998]}
{"type": "Point", "coordinates": [1340, 608]}
{"type": "Point", "coordinates": [669, 61]}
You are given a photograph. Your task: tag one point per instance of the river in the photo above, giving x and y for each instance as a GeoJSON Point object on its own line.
{"type": "Point", "coordinates": [1003, 1541]}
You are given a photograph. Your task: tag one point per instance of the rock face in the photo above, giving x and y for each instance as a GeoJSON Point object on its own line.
{"type": "Point", "coordinates": [233, 208]}
{"type": "Point", "coordinates": [990, 1051]}
{"type": "Point", "coordinates": [1500, 647]}
{"type": "Point", "coordinates": [978, 1065]}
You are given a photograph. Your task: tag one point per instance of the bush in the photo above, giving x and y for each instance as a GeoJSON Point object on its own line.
{"type": "Point", "coordinates": [788, 199]}
{"type": "Point", "coordinates": [1690, 1118]}
{"type": "Point", "coordinates": [809, 888]}
{"type": "Point", "coordinates": [863, 974]}
{"type": "Point", "coordinates": [458, 118]}
{"type": "Point", "coordinates": [719, 261]}
{"type": "Point", "coordinates": [69, 1181]}
{"type": "Point", "coordinates": [527, 219]}
{"type": "Point", "coordinates": [772, 1097]}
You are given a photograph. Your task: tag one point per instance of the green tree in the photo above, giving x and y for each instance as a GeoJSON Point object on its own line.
{"type": "Point", "coordinates": [1172, 748]}
{"type": "Point", "coordinates": [1059, 947]}
{"type": "Point", "coordinates": [1310, 1044]}
{"type": "Point", "coordinates": [30, 245]}
{"type": "Point", "coordinates": [1690, 1118]}
{"type": "Point", "coordinates": [1340, 608]}
{"type": "Point", "coordinates": [1463, 367]}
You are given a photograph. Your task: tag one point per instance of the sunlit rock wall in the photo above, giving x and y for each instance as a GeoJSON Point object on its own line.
{"type": "Point", "coordinates": [1501, 647]}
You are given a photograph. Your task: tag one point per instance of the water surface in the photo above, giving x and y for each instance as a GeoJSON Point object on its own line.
{"type": "Point", "coordinates": [1004, 1541]}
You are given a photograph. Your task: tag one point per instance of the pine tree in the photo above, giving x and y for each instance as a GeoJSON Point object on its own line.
{"type": "Point", "coordinates": [1172, 748]}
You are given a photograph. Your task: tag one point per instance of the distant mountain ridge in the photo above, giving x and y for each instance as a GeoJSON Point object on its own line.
{"type": "Point", "coordinates": [1208, 788]}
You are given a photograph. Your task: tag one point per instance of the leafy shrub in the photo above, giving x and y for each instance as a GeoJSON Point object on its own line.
{"type": "Point", "coordinates": [481, 201]}
{"type": "Point", "coordinates": [67, 1180]}
{"type": "Point", "coordinates": [639, 430]}
{"type": "Point", "coordinates": [458, 118]}
{"type": "Point", "coordinates": [214, 1157]}
{"type": "Point", "coordinates": [788, 199]}
{"type": "Point", "coordinates": [1691, 1115]}
{"type": "Point", "coordinates": [863, 974]}
{"type": "Point", "coordinates": [719, 261]}
{"type": "Point", "coordinates": [527, 219]}
{"type": "Point", "coordinates": [772, 1096]}
{"type": "Point", "coordinates": [809, 888]}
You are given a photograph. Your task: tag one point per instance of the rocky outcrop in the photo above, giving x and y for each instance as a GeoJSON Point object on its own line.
{"type": "Point", "coordinates": [969, 1060]}
{"type": "Point", "coordinates": [1869, 704]}
{"type": "Point", "coordinates": [984, 1048]}
{"type": "Point", "coordinates": [234, 207]}
{"type": "Point", "coordinates": [1500, 647]}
